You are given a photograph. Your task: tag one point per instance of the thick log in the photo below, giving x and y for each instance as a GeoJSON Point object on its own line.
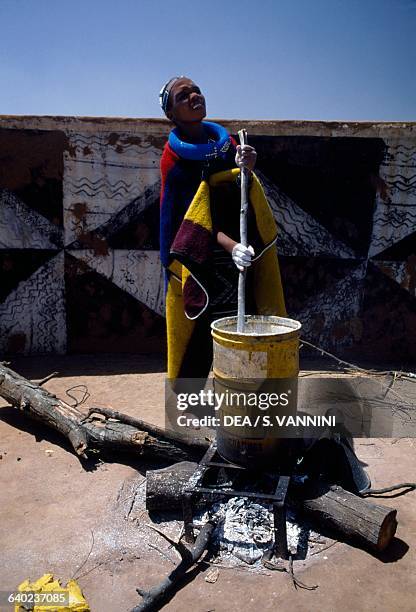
{"type": "Point", "coordinates": [164, 487]}
{"type": "Point", "coordinates": [114, 432]}
{"type": "Point", "coordinates": [355, 518]}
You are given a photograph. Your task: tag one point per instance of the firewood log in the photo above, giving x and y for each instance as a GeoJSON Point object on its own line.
{"type": "Point", "coordinates": [114, 432]}
{"type": "Point", "coordinates": [349, 515]}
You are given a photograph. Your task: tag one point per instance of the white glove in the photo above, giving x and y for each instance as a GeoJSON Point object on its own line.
{"type": "Point", "coordinates": [246, 157]}
{"type": "Point", "coordinates": [242, 256]}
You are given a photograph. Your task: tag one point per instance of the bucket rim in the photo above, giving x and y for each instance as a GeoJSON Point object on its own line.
{"type": "Point", "coordinates": [291, 324]}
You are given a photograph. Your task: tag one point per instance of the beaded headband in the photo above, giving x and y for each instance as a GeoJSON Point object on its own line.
{"type": "Point", "coordinates": [165, 91]}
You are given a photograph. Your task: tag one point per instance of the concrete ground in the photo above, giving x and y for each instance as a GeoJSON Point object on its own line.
{"type": "Point", "coordinates": [73, 520]}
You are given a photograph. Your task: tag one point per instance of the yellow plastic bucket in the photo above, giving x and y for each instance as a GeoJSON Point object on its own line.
{"type": "Point", "coordinates": [265, 356]}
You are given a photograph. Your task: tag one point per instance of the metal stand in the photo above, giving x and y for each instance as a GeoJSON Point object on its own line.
{"type": "Point", "coordinates": [278, 498]}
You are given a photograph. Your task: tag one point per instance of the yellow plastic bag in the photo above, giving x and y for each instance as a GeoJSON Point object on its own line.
{"type": "Point", "coordinates": [47, 585]}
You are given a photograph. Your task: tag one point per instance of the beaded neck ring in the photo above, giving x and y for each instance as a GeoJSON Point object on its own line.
{"type": "Point", "coordinates": [215, 148]}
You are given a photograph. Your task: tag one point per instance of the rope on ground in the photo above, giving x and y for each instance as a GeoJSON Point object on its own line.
{"type": "Point", "coordinates": [84, 397]}
{"type": "Point", "coordinates": [352, 366]}
{"type": "Point", "coordinates": [355, 368]}
{"type": "Point", "coordinates": [408, 486]}
{"type": "Point", "coordinates": [279, 566]}
{"type": "Point", "coordinates": [296, 582]}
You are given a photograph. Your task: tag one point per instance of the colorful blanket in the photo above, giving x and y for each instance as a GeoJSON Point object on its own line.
{"type": "Point", "coordinates": [187, 241]}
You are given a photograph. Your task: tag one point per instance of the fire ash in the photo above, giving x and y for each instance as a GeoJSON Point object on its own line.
{"type": "Point", "coordinates": [245, 531]}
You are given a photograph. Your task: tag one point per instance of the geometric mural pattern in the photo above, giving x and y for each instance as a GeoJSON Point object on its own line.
{"type": "Point", "coordinates": [346, 210]}
{"type": "Point", "coordinates": [79, 245]}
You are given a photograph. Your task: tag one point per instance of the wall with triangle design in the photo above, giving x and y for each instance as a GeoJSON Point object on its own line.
{"type": "Point", "coordinates": [79, 217]}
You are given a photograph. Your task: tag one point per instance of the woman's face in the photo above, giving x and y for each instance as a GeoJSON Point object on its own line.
{"type": "Point", "coordinates": [187, 104]}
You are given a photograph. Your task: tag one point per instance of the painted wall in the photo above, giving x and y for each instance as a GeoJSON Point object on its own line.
{"type": "Point", "coordinates": [79, 202]}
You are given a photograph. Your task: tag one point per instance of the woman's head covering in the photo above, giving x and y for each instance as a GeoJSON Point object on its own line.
{"type": "Point", "coordinates": [165, 91]}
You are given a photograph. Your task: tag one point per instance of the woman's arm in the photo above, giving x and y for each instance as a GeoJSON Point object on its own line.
{"type": "Point", "coordinates": [226, 242]}
{"type": "Point", "coordinates": [241, 254]}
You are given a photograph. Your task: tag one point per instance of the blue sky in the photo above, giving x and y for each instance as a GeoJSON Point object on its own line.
{"type": "Point", "coordinates": [254, 59]}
